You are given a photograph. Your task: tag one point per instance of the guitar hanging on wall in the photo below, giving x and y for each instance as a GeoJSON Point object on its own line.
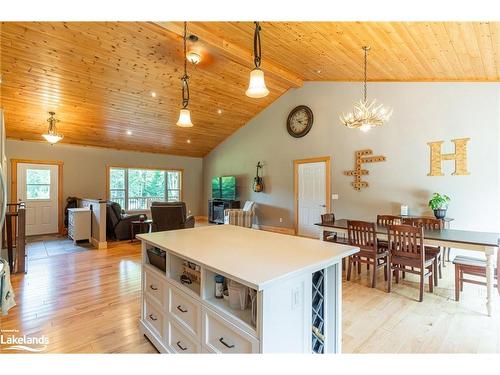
{"type": "Point", "coordinates": [258, 183]}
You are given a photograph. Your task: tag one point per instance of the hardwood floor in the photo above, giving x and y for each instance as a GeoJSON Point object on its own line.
{"type": "Point", "coordinates": [83, 302]}
{"type": "Point", "coordinates": [88, 302]}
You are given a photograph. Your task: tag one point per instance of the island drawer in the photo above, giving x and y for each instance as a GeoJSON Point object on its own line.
{"type": "Point", "coordinates": [154, 287]}
{"type": "Point", "coordinates": [185, 310]}
{"type": "Point", "coordinates": [153, 317]}
{"type": "Point", "coordinates": [222, 336]}
{"type": "Point", "coordinates": [181, 342]}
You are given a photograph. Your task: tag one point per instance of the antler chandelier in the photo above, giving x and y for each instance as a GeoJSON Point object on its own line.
{"type": "Point", "coordinates": [366, 115]}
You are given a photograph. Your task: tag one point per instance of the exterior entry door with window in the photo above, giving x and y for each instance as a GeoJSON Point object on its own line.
{"type": "Point", "coordinates": [311, 197]}
{"type": "Point", "coordinates": [37, 186]}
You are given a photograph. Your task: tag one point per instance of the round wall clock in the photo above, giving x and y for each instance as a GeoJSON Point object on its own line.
{"type": "Point", "coordinates": [299, 121]}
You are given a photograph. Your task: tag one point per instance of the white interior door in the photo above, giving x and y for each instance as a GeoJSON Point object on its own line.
{"type": "Point", "coordinates": [37, 186]}
{"type": "Point", "coordinates": [311, 197]}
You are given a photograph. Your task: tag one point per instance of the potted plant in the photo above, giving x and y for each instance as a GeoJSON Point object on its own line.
{"type": "Point", "coordinates": [439, 204]}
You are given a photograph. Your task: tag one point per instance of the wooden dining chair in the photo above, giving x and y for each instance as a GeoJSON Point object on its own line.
{"type": "Point", "coordinates": [384, 221]}
{"type": "Point", "coordinates": [430, 223]}
{"type": "Point", "coordinates": [465, 265]}
{"type": "Point", "coordinates": [406, 249]}
{"type": "Point", "coordinates": [332, 236]}
{"type": "Point", "coordinates": [363, 235]}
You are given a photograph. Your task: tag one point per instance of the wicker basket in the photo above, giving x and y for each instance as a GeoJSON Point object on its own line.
{"type": "Point", "coordinates": [193, 275]}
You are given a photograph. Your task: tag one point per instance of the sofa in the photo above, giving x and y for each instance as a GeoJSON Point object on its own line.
{"type": "Point", "coordinates": [118, 222]}
{"type": "Point", "coordinates": [170, 216]}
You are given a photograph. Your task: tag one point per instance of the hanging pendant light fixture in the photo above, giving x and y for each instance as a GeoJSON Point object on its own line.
{"type": "Point", "coordinates": [184, 115]}
{"type": "Point", "coordinates": [366, 115]}
{"type": "Point", "coordinates": [52, 136]}
{"type": "Point", "coordinates": [257, 86]}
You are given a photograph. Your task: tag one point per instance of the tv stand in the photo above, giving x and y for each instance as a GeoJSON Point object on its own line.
{"type": "Point", "coordinates": [216, 209]}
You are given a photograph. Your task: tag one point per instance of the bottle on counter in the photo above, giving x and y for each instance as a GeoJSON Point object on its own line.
{"type": "Point", "coordinates": [219, 286]}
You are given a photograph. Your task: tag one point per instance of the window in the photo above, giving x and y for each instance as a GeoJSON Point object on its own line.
{"type": "Point", "coordinates": [37, 183]}
{"type": "Point", "coordinates": [136, 189]}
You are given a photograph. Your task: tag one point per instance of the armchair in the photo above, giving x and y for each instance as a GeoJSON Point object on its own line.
{"type": "Point", "coordinates": [170, 216]}
{"type": "Point", "coordinates": [241, 217]}
{"type": "Point", "coordinates": [118, 222]}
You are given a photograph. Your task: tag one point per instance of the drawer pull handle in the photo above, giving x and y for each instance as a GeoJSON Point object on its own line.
{"type": "Point", "coordinates": [180, 346]}
{"type": "Point", "coordinates": [152, 317]}
{"type": "Point", "coordinates": [181, 309]}
{"type": "Point", "coordinates": [153, 287]}
{"type": "Point", "coordinates": [225, 343]}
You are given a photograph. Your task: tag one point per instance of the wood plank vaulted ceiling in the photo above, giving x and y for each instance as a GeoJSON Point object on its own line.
{"type": "Point", "coordinates": [98, 76]}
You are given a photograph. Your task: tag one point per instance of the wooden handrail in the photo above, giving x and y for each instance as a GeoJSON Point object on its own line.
{"type": "Point", "coordinates": [15, 236]}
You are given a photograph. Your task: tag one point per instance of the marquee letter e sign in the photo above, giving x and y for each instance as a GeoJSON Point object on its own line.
{"type": "Point", "coordinates": [460, 157]}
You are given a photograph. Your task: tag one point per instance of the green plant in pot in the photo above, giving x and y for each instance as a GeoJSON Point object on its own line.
{"type": "Point", "coordinates": [439, 204]}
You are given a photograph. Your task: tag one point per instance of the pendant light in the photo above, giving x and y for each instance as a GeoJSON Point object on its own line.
{"type": "Point", "coordinates": [257, 86]}
{"type": "Point", "coordinates": [184, 115]}
{"type": "Point", "coordinates": [366, 115]}
{"type": "Point", "coordinates": [52, 136]}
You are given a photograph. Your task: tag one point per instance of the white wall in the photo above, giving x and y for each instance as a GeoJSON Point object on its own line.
{"type": "Point", "coordinates": [423, 112]}
{"type": "Point", "coordinates": [84, 173]}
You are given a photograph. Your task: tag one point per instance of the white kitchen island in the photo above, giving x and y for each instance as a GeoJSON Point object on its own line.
{"type": "Point", "coordinates": [297, 282]}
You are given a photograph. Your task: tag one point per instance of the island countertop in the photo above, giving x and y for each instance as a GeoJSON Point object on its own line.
{"type": "Point", "coordinates": [256, 257]}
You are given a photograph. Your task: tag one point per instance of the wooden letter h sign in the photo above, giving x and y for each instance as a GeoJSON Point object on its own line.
{"type": "Point", "coordinates": [460, 157]}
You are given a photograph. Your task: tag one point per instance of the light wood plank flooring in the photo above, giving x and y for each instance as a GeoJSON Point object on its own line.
{"type": "Point", "coordinates": [88, 302]}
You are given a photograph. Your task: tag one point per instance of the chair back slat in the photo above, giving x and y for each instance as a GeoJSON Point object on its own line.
{"type": "Point", "coordinates": [362, 234]}
{"type": "Point", "coordinates": [406, 241]}
{"type": "Point", "coordinates": [328, 218]}
{"type": "Point", "coordinates": [428, 223]}
{"type": "Point", "coordinates": [386, 220]}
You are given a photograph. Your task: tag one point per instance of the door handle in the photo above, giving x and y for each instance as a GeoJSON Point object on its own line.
{"type": "Point", "coordinates": [322, 205]}
{"type": "Point", "coordinates": [181, 309]}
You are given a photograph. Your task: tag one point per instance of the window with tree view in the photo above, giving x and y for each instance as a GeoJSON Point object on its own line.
{"type": "Point", "coordinates": [136, 189]}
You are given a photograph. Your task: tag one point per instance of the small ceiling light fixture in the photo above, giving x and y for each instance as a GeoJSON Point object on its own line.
{"type": "Point", "coordinates": [219, 111]}
{"type": "Point", "coordinates": [188, 141]}
{"type": "Point", "coordinates": [129, 132]}
{"type": "Point", "coordinates": [153, 94]}
{"type": "Point", "coordinates": [366, 115]}
{"type": "Point", "coordinates": [193, 56]}
{"type": "Point", "coordinates": [257, 85]}
{"type": "Point", "coordinates": [184, 115]}
{"type": "Point", "coordinates": [52, 136]}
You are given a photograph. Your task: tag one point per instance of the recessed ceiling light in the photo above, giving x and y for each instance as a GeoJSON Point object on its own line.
{"type": "Point", "coordinates": [318, 71]}
{"type": "Point", "coordinates": [219, 111]}
{"type": "Point", "coordinates": [188, 141]}
{"type": "Point", "coordinates": [129, 132]}
{"type": "Point", "coordinates": [153, 94]}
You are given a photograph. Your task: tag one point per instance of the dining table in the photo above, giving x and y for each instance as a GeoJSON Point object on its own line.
{"type": "Point", "coordinates": [485, 242]}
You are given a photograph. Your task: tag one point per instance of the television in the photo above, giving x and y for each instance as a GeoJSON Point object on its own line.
{"type": "Point", "coordinates": [224, 187]}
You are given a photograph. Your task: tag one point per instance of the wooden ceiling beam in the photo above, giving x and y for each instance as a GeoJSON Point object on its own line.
{"type": "Point", "coordinates": [232, 51]}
